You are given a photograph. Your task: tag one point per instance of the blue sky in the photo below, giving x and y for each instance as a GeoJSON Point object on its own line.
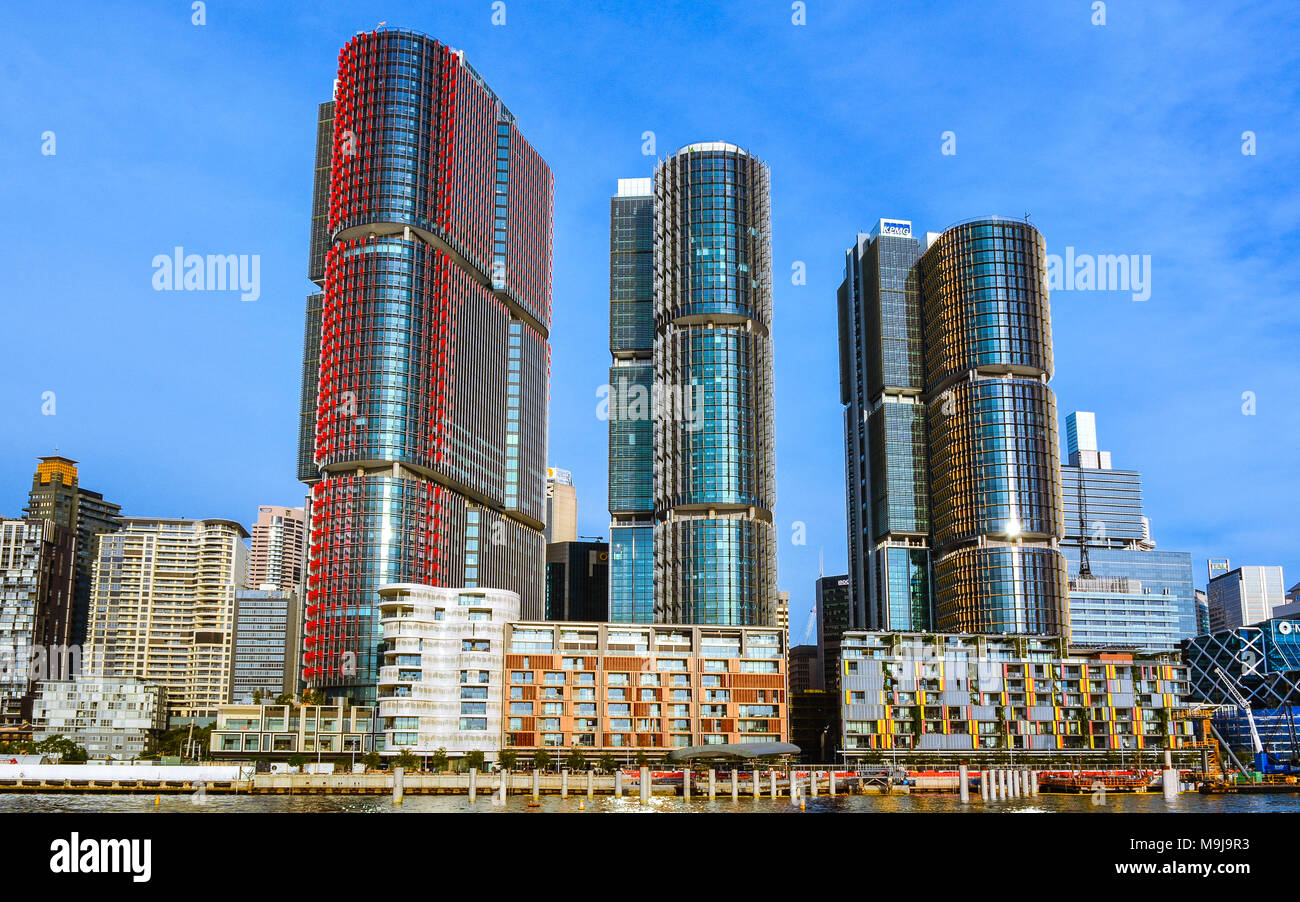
{"type": "Point", "coordinates": [1123, 138]}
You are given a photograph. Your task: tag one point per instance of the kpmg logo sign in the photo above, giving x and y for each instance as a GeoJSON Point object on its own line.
{"type": "Point", "coordinates": [899, 228]}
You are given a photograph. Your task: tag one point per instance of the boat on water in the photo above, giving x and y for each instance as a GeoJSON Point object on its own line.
{"type": "Point", "coordinates": [1085, 783]}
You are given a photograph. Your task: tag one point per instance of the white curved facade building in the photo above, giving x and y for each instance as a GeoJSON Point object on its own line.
{"type": "Point", "coordinates": [440, 685]}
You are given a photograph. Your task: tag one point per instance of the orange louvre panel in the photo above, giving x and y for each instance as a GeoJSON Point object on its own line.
{"type": "Point", "coordinates": [622, 663]}
{"type": "Point", "coordinates": [515, 661]}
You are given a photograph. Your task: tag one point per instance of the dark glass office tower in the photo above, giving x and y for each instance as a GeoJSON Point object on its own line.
{"type": "Point", "coordinates": [882, 380]}
{"type": "Point", "coordinates": [431, 398]}
{"type": "Point", "coordinates": [834, 610]}
{"type": "Point", "coordinates": [714, 455]}
{"type": "Point", "coordinates": [577, 582]}
{"type": "Point", "coordinates": [57, 495]}
{"type": "Point", "coordinates": [995, 489]}
{"type": "Point", "coordinates": [631, 386]}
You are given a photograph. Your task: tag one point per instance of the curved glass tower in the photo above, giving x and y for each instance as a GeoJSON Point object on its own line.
{"type": "Point", "coordinates": [714, 455]}
{"type": "Point", "coordinates": [430, 425]}
{"type": "Point", "coordinates": [995, 490]}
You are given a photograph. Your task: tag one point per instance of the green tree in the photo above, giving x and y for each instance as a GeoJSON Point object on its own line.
{"type": "Point", "coordinates": [475, 759]}
{"type": "Point", "coordinates": [372, 760]}
{"type": "Point", "coordinates": [438, 760]}
{"type": "Point", "coordinates": [407, 760]}
{"type": "Point", "coordinates": [297, 760]}
{"type": "Point", "coordinates": [642, 759]}
{"type": "Point", "coordinates": [257, 696]}
{"type": "Point", "coordinates": [508, 759]}
{"type": "Point", "coordinates": [576, 760]}
{"type": "Point", "coordinates": [542, 759]}
{"type": "Point", "coordinates": [608, 763]}
{"type": "Point", "coordinates": [340, 766]}
{"type": "Point", "coordinates": [65, 748]}
{"type": "Point", "coordinates": [284, 698]}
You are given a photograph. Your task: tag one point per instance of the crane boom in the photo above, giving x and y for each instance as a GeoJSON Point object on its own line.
{"type": "Point", "coordinates": [1241, 703]}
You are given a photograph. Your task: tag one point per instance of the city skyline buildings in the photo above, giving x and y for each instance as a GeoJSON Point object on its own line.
{"type": "Point", "coordinates": [141, 493]}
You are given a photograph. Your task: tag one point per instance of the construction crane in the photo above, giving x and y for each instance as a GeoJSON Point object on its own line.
{"type": "Point", "coordinates": [1261, 756]}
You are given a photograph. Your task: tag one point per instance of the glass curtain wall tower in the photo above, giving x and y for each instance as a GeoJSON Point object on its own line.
{"type": "Point", "coordinates": [714, 454]}
{"type": "Point", "coordinates": [882, 380]}
{"type": "Point", "coordinates": [631, 381]}
{"type": "Point", "coordinates": [995, 488]}
{"type": "Point", "coordinates": [430, 425]}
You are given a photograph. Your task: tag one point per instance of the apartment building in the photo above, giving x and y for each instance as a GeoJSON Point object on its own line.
{"type": "Point", "coordinates": [109, 718]}
{"type": "Point", "coordinates": [620, 688]}
{"type": "Point", "coordinates": [163, 606]}
{"type": "Point", "coordinates": [943, 692]}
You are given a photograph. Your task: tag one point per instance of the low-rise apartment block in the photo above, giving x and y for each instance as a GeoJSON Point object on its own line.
{"type": "Point", "coordinates": [282, 731]}
{"type": "Point", "coordinates": [109, 718]}
{"type": "Point", "coordinates": [928, 692]}
{"type": "Point", "coordinates": [603, 687]}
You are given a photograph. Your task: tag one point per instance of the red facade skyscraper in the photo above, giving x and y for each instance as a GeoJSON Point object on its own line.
{"type": "Point", "coordinates": [430, 422]}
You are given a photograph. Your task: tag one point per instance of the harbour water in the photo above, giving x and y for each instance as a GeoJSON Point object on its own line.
{"type": "Point", "coordinates": [523, 804]}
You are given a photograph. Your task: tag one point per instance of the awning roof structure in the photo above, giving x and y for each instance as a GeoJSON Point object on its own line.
{"type": "Point", "coordinates": [735, 750]}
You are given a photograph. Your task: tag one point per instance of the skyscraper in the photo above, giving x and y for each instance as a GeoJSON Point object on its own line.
{"type": "Point", "coordinates": [1245, 596]}
{"type": "Point", "coordinates": [714, 450]}
{"type": "Point", "coordinates": [57, 496]}
{"type": "Point", "coordinates": [163, 606]}
{"type": "Point", "coordinates": [882, 380]}
{"type": "Point", "coordinates": [995, 490]}
{"type": "Point", "coordinates": [561, 507]}
{"type": "Point", "coordinates": [631, 380]}
{"type": "Point", "coordinates": [430, 427]}
{"type": "Point", "coordinates": [954, 497]}
{"type": "Point", "coordinates": [1132, 595]}
{"type": "Point", "coordinates": [276, 552]}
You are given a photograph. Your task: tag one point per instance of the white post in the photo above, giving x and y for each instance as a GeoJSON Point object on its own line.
{"type": "Point", "coordinates": [645, 784]}
{"type": "Point", "coordinates": [473, 783]}
{"type": "Point", "coordinates": [773, 773]}
{"type": "Point", "coordinates": [754, 775]}
{"type": "Point", "coordinates": [564, 783]}
{"type": "Point", "coordinates": [832, 784]}
{"type": "Point", "coordinates": [1002, 783]}
{"type": "Point", "coordinates": [505, 781]}
{"type": "Point", "coordinates": [1033, 782]}
{"type": "Point", "coordinates": [399, 774]}
{"type": "Point", "coordinates": [812, 783]}
{"type": "Point", "coordinates": [713, 784]}
{"type": "Point", "coordinates": [591, 783]}
{"type": "Point", "coordinates": [1169, 778]}
{"type": "Point", "coordinates": [686, 782]}
{"type": "Point", "coordinates": [537, 783]}
{"type": "Point", "coordinates": [962, 784]}
{"type": "Point", "coordinates": [735, 785]}
{"type": "Point", "coordinates": [984, 785]}
{"type": "Point", "coordinates": [618, 783]}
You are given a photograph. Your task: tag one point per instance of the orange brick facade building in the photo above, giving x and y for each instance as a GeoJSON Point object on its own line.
{"type": "Point", "coordinates": [623, 688]}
